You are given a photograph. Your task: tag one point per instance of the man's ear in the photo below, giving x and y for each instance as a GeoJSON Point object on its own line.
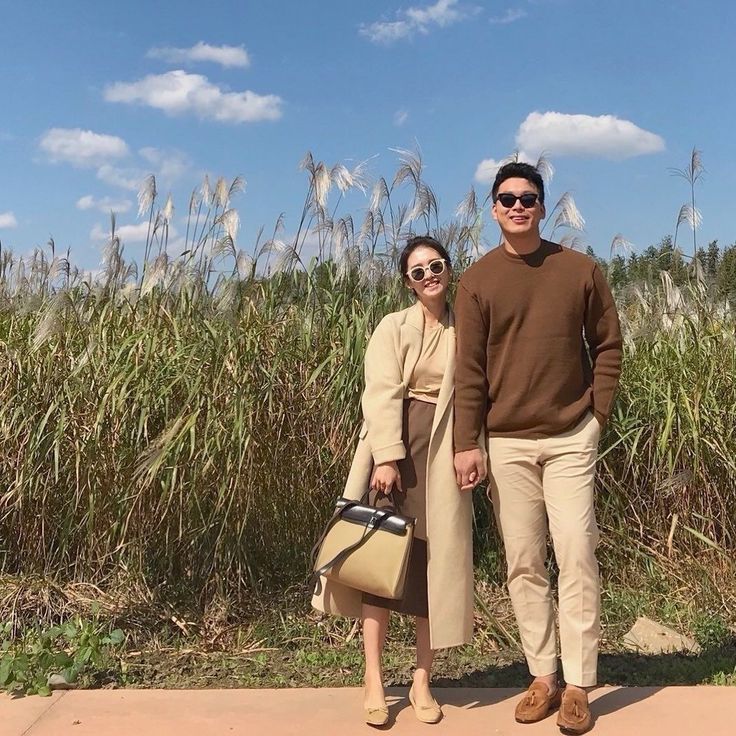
{"type": "Point", "coordinates": [544, 211]}
{"type": "Point", "coordinates": [494, 214]}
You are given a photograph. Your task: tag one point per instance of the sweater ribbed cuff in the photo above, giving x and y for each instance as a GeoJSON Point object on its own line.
{"type": "Point", "coordinates": [465, 446]}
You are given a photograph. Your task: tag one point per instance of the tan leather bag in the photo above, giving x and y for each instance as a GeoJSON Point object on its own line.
{"type": "Point", "coordinates": [365, 548]}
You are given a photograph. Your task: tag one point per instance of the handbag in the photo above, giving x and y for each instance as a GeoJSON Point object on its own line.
{"type": "Point", "coordinates": [365, 548]}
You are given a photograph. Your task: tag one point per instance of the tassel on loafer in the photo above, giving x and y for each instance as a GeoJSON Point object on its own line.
{"type": "Point", "coordinates": [537, 703]}
{"type": "Point", "coordinates": [574, 716]}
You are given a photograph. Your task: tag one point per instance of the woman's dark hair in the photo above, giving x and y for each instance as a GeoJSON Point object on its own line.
{"type": "Point", "coordinates": [421, 241]}
{"type": "Point", "coordinates": [516, 170]}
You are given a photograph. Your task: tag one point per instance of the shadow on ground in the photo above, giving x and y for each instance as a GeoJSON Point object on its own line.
{"type": "Point", "coordinates": [713, 666]}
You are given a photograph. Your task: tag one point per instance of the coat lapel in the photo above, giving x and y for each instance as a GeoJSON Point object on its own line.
{"type": "Point", "coordinates": [447, 389]}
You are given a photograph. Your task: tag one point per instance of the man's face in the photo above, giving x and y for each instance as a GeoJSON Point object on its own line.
{"type": "Point", "coordinates": [516, 219]}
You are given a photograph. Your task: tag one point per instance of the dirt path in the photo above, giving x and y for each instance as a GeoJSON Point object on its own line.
{"type": "Point", "coordinates": [670, 711]}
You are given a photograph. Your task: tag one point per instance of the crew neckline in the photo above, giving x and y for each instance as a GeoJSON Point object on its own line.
{"type": "Point", "coordinates": [526, 258]}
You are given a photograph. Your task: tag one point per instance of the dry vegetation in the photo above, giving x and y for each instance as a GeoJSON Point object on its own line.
{"type": "Point", "coordinates": [171, 440]}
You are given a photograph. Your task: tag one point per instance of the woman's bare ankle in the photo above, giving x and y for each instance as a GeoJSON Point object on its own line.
{"type": "Point", "coordinates": [373, 693]}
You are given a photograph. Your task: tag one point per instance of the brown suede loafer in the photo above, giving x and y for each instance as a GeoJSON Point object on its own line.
{"type": "Point", "coordinates": [537, 703]}
{"type": "Point", "coordinates": [574, 716]}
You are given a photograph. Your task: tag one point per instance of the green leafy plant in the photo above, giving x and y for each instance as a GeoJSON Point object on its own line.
{"type": "Point", "coordinates": [73, 649]}
{"type": "Point", "coordinates": [712, 631]}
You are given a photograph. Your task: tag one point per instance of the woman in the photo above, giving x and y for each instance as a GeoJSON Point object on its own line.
{"type": "Point", "coordinates": [406, 444]}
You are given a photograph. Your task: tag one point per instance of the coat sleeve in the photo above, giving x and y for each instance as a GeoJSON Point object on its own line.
{"type": "Point", "coordinates": [603, 335]}
{"type": "Point", "coordinates": [383, 398]}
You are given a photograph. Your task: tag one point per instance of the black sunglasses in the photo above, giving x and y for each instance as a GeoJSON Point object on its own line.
{"type": "Point", "coordinates": [435, 267]}
{"type": "Point", "coordinates": [508, 200]}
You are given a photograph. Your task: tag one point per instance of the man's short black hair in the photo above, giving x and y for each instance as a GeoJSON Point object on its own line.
{"type": "Point", "coordinates": [517, 170]}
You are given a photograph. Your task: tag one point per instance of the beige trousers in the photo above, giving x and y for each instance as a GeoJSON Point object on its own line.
{"type": "Point", "coordinates": [534, 482]}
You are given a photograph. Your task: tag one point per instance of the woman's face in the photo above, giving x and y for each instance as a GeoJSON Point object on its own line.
{"type": "Point", "coordinates": [431, 286]}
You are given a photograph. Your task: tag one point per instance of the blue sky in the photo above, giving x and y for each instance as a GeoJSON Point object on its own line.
{"type": "Point", "coordinates": [98, 95]}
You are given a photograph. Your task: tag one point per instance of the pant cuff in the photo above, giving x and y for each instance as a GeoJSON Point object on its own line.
{"type": "Point", "coordinates": [580, 679]}
{"type": "Point", "coordinates": [542, 667]}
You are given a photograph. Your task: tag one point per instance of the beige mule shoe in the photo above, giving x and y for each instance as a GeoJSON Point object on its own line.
{"type": "Point", "coordinates": [425, 713]}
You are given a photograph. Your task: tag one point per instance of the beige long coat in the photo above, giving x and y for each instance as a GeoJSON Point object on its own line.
{"type": "Point", "coordinates": [390, 358]}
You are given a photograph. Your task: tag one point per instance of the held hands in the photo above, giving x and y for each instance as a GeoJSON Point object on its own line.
{"type": "Point", "coordinates": [470, 468]}
{"type": "Point", "coordinates": [385, 477]}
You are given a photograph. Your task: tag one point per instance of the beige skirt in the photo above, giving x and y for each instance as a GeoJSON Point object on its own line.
{"type": "Point", "coordinates": [412, 501]}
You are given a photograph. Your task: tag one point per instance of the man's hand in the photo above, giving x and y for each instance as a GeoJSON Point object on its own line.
{"type": "Point", "coordinates": [385, 477]}
{"type": "Point", "coordinates": [470, 468]}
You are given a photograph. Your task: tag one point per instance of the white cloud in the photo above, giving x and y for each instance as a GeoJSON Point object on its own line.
{"type": "Point", "coordinates": [510, 16]}
{"type": "Point", "coordinates": [442, 13]}
{"type": "Point", "coordinates": [123, 178]}
{"type": "Point", "coordinates": [178, 92]}
{"type": "Point", "coordinates": [387, 32]}
{"type": "Point", "coordinates": [400, 117]}
{"type": "Point", "coordinates": [227, 56]}
{"type": "Point", "coordinates": [560, 134]}
{"type": "Point", "coordinates": [485, 173]}
{"type": "Point", "coordinates": [169, 166]}
{"type": "Point", "coordinates": [127, 233]}
{"type": "Point", "coordinates": [415, 20]}
{"type": "Point", "coordinates": [7, 220]}
{"type": "Point", "coordinates": [81, 147]}
{"type": "Point", "coordinates": [104, 204]}
{"type": "Point", "coordinates": [487, 169]}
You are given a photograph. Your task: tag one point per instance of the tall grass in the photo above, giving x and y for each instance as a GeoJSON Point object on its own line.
{"type": "Point", "coordinates": [670, 466]}
{"type": "Point", "coordinates": [187, 425]}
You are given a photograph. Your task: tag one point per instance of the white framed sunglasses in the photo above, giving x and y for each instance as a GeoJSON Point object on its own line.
{"type": "Point", "coordinates": [435, 267]}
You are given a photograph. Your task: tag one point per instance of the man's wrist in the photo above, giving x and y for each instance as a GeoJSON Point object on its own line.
{"type": "Point", "coordinates": [466, 447]}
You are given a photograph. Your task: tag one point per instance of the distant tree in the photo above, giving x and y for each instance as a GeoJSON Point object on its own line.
{"type": "Point", "coordinates": [617, 273]}
{"type": "Point", "coordinates": [670, 259]}
{"type": "Point", "coordinates": [726, 277]}
{"type": "Point", "coordinates": [712, 259]}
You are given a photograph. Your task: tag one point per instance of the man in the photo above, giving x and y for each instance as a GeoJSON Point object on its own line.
{"type": "Point", "coordinates": [539, 357]}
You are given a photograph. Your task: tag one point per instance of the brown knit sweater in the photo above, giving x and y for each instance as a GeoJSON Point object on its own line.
{"type": "Point", "coordinates": [538, 344]}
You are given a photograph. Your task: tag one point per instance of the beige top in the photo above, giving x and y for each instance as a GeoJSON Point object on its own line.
{"type": "Point", "coordinates": [426, 378]}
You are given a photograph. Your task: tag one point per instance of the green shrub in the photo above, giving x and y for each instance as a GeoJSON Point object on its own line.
{"type": "Point", "coordinates": [74, 650]}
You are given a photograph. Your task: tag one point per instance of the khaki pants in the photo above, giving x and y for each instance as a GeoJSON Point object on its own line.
{"type": "Point", "coordinates": [533, 481]}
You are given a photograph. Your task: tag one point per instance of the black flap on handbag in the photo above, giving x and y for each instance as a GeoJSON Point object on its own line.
{"type": "Point", "coordinates": [358, 513]}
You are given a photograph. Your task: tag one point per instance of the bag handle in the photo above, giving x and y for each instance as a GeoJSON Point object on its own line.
{"type": "Point", "coordinates": [371, 528]}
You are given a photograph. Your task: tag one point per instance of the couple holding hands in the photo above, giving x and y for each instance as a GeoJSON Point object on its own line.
{"type": "Point", "coordinates": [514, 386]}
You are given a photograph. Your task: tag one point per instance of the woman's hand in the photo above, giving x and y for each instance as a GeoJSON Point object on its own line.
{"type": "Point", "coordinates": [385, 477]}
{"type": "Point", "coordinates": [470, 468]}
